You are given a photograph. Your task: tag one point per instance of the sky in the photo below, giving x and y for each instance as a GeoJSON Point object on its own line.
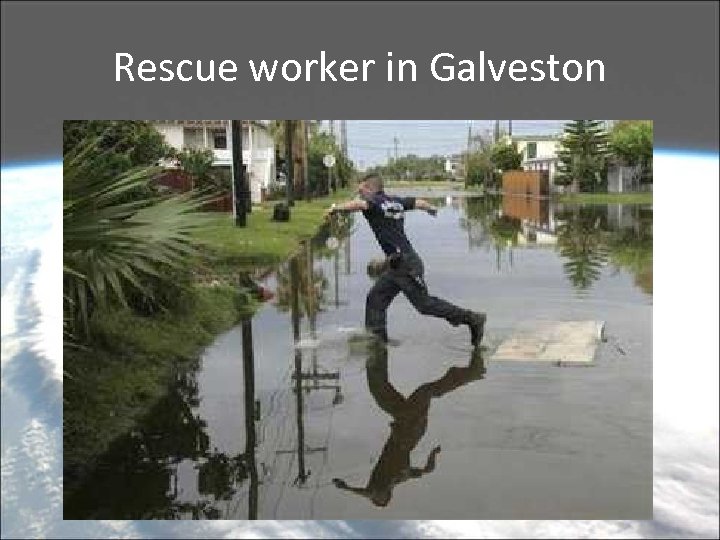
{"type": "Point", "coordinates": [370, 141]}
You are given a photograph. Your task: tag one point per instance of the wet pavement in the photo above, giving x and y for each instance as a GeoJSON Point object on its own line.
{"type": "Point", "coordinates": [334, 429]}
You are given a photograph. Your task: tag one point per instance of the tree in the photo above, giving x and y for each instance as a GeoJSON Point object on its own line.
{"type": "Point", "coordinates": [277, 131]}
{"type": "Point", "coordinates": [583, 155]}
{"type": "Point", "coordinates": [631, 142]}
{"type": "Point", "coordinates": [413, 167]}
{"type": "Point", "coordinates": [119, 146]}
{"type": "Point", "coordinates": [122, 144]}
{"type": "Point", "coordinates": [506, 157]}
{"type": "Point", "coordinates": [480, 168]}
{"type": "Point", "coordinates": [114, 247]}
{"type": "Point", "coordinates": [198, 163]}
{"type": "Point", "coordinates": [320, 145]}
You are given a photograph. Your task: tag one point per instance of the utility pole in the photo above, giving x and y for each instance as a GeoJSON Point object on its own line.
{"type": "Point", "coordinates": [343, 137]}
{"type": "Point", "coordinates": [246, 176]}
{"type": "Point", "coordinates": [510, 128]}
{"type": "Point", "coordinates": [467, 156]}
{"type": "Point", "coordinates": [496, 137]}
{"type": "Point", "coordinates": [396, 141]}
{"type": "Point", "coordinates": [289, 161]}
{"type": "Point", "coordinates": [343, 144]}
{"type": "Point", "coordinates": [241, 192]}
{"type": "Point", "coordinates": [306, 166]}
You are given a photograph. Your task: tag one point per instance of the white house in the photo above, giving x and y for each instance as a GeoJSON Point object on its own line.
{"type": "Point", "coordinates": [454, 166]}
{"type": "Point", "coordinates": [539, 153]}
{"type": "Point", "coordinates": [258, 146]}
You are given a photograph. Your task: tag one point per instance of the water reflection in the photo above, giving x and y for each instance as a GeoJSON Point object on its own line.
{"type": "Point", "coordinates": [589, 238]}
{"type": "Point", "coordinates": [138, 477]}
{"type": "Point", "coordinates": [316, 379]}
{"type": "Point", "coordinates": [409, 423]}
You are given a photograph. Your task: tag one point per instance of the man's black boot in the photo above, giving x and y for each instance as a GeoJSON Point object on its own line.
{"type": "Point", "coordinates": [476, 322]}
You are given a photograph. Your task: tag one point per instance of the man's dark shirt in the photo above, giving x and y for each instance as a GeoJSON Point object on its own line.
{"type": "Point", "coordinates": [386, 217]}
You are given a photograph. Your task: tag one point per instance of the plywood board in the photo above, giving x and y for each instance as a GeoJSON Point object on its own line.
{"type": "Point", "coordinates": [566, 342]}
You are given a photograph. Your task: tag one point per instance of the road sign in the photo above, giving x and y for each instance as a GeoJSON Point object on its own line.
{"type": "Point", "coordinates": [329, 160]}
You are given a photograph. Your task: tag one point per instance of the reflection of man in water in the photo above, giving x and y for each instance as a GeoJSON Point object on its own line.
{"type": "Point", "coordinates": [409, 423]}
{"type": "Point", "coordinates": [405, 272]}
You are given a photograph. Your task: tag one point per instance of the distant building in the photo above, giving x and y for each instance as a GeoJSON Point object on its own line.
{"type": "Point", "coordinates": [258, 146]}
{"type": "Point", "coordinates": [455, 166]}
{"type": "Point", "coordinates": [622, 178]}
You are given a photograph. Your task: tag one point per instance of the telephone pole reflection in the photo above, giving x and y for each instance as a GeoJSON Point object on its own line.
{"type": "Point", "coordinates": [250, 415]}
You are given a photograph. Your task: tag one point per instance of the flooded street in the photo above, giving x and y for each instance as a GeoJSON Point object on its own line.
{"type": "Point", "coordinates": [334, 429]}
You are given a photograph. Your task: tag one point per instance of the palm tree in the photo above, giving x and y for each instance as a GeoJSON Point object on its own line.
{"type": "Point", "coordinates": [112, 243]}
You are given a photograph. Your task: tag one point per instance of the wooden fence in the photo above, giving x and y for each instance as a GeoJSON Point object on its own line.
{"type": "Point", "coordinates": [526, 183]}
{"type": "Point", "coordinates": [179, 181]}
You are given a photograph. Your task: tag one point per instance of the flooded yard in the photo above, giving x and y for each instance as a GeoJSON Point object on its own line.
{"type": "Point", "coordinates": [311, 423]}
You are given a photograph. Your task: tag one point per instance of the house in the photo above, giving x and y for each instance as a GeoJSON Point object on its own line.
{"type": "Point", "coordinates": [258, 146]}
{"type": "Point", "coordinates": [539, 153]}
{"type": "Point", "coordinates": [455, 166]}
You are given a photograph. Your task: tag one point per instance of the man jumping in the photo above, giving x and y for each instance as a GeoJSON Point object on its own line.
{"type": "Point", "coordinates": [404, 270]}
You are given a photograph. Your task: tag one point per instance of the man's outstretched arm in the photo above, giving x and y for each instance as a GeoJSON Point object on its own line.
{"type": "Point", "coordinates": [356, 205]}
{"type": "Point", "coordinates": [422, 204]}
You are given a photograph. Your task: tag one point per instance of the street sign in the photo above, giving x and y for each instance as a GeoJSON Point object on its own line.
{"type": "Point", "coordinates": [329, 160]}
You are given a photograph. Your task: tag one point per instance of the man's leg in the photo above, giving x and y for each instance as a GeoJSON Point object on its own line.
{"type": "Point", "coordinates": [413, 286]}
{"type": "Point", "coordinates": [415, 289]}
{"type": "Point", "coordinates": [377, 303]}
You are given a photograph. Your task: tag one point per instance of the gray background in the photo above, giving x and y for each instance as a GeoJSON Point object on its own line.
{"type": "Point", "coordinates": [661, 61]}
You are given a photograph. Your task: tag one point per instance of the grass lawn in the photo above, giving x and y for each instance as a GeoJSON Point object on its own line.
{"type": "Point", "coordinates": [606, 198]}
{"type": "Point", "coordinates": [113, 381]}
{"type": "Point", "coordinates": [264, 241]}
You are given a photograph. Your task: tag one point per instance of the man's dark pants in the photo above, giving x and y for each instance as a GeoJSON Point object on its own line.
{"type": "Point", "coordinates": [406, 274]}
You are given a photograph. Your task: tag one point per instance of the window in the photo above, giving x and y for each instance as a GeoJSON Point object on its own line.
{"type": "Point", "coordinates": [219, 137]}
{"type": "Point", "coordinates": [531, 150]}
{"type": "Point", "coordinates": [193, 138]}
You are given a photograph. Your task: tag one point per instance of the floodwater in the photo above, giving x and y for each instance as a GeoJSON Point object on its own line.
{"type": "Point", "coordinates": [334, 429]}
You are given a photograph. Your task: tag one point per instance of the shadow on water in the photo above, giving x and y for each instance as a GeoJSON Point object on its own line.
{"type": "Point", "coordinates": [168, 467]}
{"type": "Point", "coordinates": [409, 423]}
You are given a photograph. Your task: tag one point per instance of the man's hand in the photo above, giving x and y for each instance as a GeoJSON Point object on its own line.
{"type": "Point", "coordinates": [331, 212]}
{"type": "Point", "coordinates": [422, 204]}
